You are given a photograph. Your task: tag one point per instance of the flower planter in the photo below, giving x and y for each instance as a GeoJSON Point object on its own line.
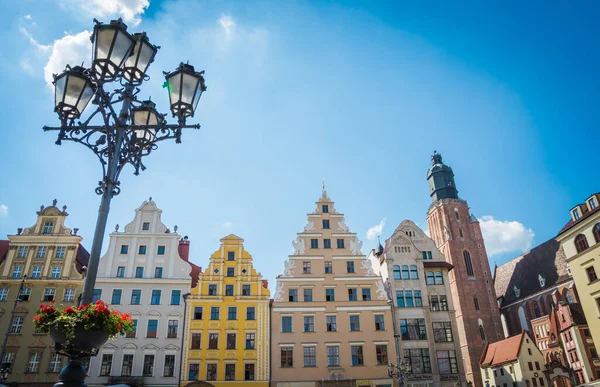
{"type": "Point", "coordinates": [85, 342]}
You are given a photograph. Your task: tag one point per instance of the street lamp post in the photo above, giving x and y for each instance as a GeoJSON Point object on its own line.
{"type": "Point", "coordinates": [402, 368]}
{"type": "Point", "coordinates": [119, 64]}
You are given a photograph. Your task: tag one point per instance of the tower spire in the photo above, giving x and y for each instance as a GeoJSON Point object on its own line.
{"type": "Point", "coordinates": [441, 179]}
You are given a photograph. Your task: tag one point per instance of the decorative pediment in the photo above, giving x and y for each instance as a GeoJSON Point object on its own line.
{"type": "Point", "coordinates": [150, 347]}
{"type": "Point", "coordinates": [38, 344]}
{"type": "Point", "coordinates": [135, 313]}
{"type": "Point", "coordinates": [21, 309]}
{"type": "Point", "coordinates": [129, 346]}
{"type": "Point", "coordinates": [110, 346]}
{"type": "Point", "coordinates": [174, 314]}
{"type": "Point", "coordinates": [153, 313]}
{"type": "Point", "coordinates": [171, 347]}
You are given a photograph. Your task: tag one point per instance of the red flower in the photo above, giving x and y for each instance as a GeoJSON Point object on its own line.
{"type": "Point", "coordinates": [69, 310]}
{"type": "Point", "coordinates": [86, 316]}
{"type": "Point", "coordinates": [118, 326]}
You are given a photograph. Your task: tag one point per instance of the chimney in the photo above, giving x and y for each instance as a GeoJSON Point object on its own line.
{"type": "Point", "coordinates": [184, 249]}
{"type": "Point", "coordinates": [265, 284]}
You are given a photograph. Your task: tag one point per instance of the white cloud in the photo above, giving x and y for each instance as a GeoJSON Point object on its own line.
{"type": "Point", "coordinates": [228, 25]}
{"type": "Point", "coordinates": [41, 47]}
{"type": "Point", "coordinates": [376, 230]}
{"type": "Point", "coordinates": [3, 210]}
{"type": "Point", "coordinates": [227, 224]}
{"type": "Point", "coordinates": [130, 10]}
{"type": "Point", "coordinates": [70, 49]}
{"type": "Point", "coordinates": [503, 236]}
{"type": "Point", "coordinates": [27, 17]}
{"type": "Point", "coordinates": [26, 65]}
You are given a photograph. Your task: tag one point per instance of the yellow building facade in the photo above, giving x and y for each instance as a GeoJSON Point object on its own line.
{"type": "Point", "coordinates": [226, 338]}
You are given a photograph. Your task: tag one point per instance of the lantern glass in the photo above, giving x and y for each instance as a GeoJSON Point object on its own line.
{"type": "Point", "coordinates": [123, 45]}
{"type": "Point", "coordinates": [112, 46]}
{"type": "Point", "coordinates": [174, 83]}
{"type": "Point", "coordinates": [59, 89]}
{"type": "Point", "coordinates": [137, 64]}
{"type": "Point", "coordinates": [104, 39]}
{"type": "Point", "coordinates": [73, 91]}
{"type": "Point", "coordinates": [188, 87]}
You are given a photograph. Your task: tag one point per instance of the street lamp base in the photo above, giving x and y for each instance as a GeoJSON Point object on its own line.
{"type": "Point", "coordinates": [72, 375]}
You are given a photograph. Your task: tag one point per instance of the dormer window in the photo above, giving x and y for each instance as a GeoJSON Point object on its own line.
{"type": "Point", "coordinates": [542, 280]}
{"type": "Point", "coordinates": [592, 203]}
{"type": "Point", "coordinates": [576, 214]}
{"type": "Point", "coordinates": [146, 226]}
{"type": "Point", "coordinates": [48, 228]}
{"type": "Point", "coordinates": [517, 291]}
{"type": "Point", "coordinates": [325, 208]}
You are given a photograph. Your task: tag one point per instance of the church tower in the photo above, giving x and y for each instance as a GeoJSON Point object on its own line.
{"type": "Point", "coordinates": [457, 234]}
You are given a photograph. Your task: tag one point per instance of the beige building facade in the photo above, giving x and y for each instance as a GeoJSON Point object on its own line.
{"type": "Point", "coordinates": [331, 324]}
{"type": "Point", "coordinates": [48, 259]}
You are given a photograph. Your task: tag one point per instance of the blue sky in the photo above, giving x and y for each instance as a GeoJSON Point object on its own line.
{"type": "Point", "coordinates": [360, 93]}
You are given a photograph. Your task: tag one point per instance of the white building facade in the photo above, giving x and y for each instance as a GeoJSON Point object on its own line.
{"type": "Point", "coordinates": [143, 274]}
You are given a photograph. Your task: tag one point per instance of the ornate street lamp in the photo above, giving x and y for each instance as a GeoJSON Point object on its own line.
{"type": "Point", "coordinates": [402, 368]}
{"type": "Point", "coordinates": [4, 374]}
{"type": "Point", "coordinates": [118, 136]}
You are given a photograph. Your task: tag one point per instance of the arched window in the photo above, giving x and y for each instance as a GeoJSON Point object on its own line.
{"type": "Point", "coordinates": [468, 263]}
{"type": "Point", "coordinates": [413, 272]}
{"type": "Point", "coordinates": [551, 303]}
{"type": "Point", "coordinates": [596, 232]}
{"type": "Point", "coordinates": [456, 213]}
{"type": "Point", "coordinates": [48, 228]}
{"type": "Point", "coordinates": [438, 278]}
{"type": "Point", "coordinates": [569, 296]}
{"type": "Point", "coordinates": [481, 331]}
{"type": "Point", "coordinates": [536, 310]}
{"type": "Point", "coordinates": [581, 243]}
{"type": "Point", "coordinates": [405, 272]}
{"type": "Point", "coordinates": [430, 279]}
{"type": "Point", "coordinates": [523, 319]}
{"type": "Point", "coordinates": [476, 301]}
{"type": "Point", "coordinates": [396, 272]}
{"type": "Point", "coordinates": [553, 338]}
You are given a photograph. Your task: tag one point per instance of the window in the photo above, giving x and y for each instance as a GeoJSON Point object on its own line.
{"type": "Point", "coordinates": [139, 272]}
{"type": "Point", "coordinates": [173, 327]}
{"type": "Point", "coordinates": [121, 271]}
{"type": "Point", "coordinates": [155, 300]}
{"type": "Point", "coordinates": [124, 249]}
{"type": "Point", "coordinates": [41, 252]}
{"type": "Point", "coordinates": [55, 363]}
{"type": "Point", "coordinates": [213, 341]}
{"type": "Point", "coordinates": [60, 252]}
{"type": "Point", "coordinates": [592, 203]}
{"type": "Point", "coordinates": [534, 381]}
{"type": "Point", "coordinates": [106, 364]}
{"type": "Point", "coordinates": [309, 323]}
{"type": "Point", "coordinates": [329, 294]}
{"type": "Point", "coordinates": [3, 294]}
{"type": "Point", "coordinates": [212, 289]}
{"type": "Point", "coordinates": [293, 295]}
{"type": "Point", "coordinates": [481, 332]}
{"type": "Point", "coordinates": [197, 313]}
{"type": "Point", "coordinates": [160, 250]}
{"type": "Point", "coordinates": [116, 297]}
{"type": "Point", "coordinates": [447, 362]}
{"type": "Point", "coordinates": [146, 226]}
{"type": "Point", "coordinates": [468, 263]}
{"type": "Point", "coordinates": [537, 365]}
{"type": "Point", "coordinates": [229, 290]}
{"type": "Point", "coordinates": [413, 329]}
{"type": "Point", "coordinates": [314, 243]}
{"type": "Point", "coordinates": [400, 298]}
{"type": "Point", "coordinates": [366, 294]}
{"type": "Point", "coordinates": [48, 226]}
{"type": "Point", "coordinates": [152, 329]}
{"type": "Point", "coordinates": [175, 297]}
{"type": "Point", "coordinates": [97, 295]}
{"type": "Point", "coordinates": [36, 272]}
{"type": "Point", "coordinates": [413, 272]}
{"type": "Point", "coordinates": [8, 360]}
{"type": "Point", "coordinates": [379, 325]}
{"type": "Point", "coordinates": [396, 272]}
{"type": "Point", "coordinates": [158, 272]}
{"type": "Point", "coordinates": [230, 272]}
{"type": "Point", "coordinates": [142, 250]}
{"type": "Point", "coordinates": [355, 323]}
{"type": "Point", "coordinates": [310, 356]}
{"type": "Point", "coordinates": [569, 297]}
{"type": "Point", "coordinates": [442, 332]}
{"type": "Point", "coordinates": [596, 232]}
{"type": "Point", "coordinates": [357, 355]}
{"type": "Point", "coordinates": [169, 369]}
{"type": "Point", "coordinates": [16, 325]}
{"type": "Point", "coordinates": [136, 296]}
{"type": "Point", "coordinates": [352, 294]}
{"type": "Point", "coordinates": [249, 371]}
{"type": "Point", "coordinates": [133, 333]}
{"type": "Point", "coordinates": [542, 382]}
{"type": "Point", "coordinates": [439, 279]}
{"type": "Point", "coordinates": [581, 243]}
{"type": "Point", "coordinates": [340, 243]}
{"type": "Point", "coordinates": [26, 293]}
{"type": "Point", "coordinates": [405, 272]}
{"type": "Point", "coordinates": [324, 208]}
{"type": "Point", "coordinates": [148, 369]}
{"type": "Point", "coordinates": [214, 312]}
{"type": "Point", "coordinates": [576, 213]}
{"type": "Point", "coordinates": [438, 303]}
{"type": "Point", "coordinates": [34, 362]}
{"type": "Point", "coordinates": [381, 354]}
{"type": "Point", "coordinates": [55, 273]}
{"type": "Point", "coordinates": [232, 313]}
{"type": "Point", "coordinates": [418, 300]}
{"type": "Point", "coordinates": [49, 294]}
{"type": "Point", "coordinates": [196, 340]}
{"type": "Point", "coordinates": [328, 267]}
{"type": "Point", "coordinates": [408, 298]}
{"type": "Point", "coordinates": [325, 223]}
{"type": "Point", "coordinates": [23, 252]}
{"type": "Point", "coordinates": [476, 301]}
{"type": "Point", "coordinates": [286, 323]}
{"type": "Point", "coordinates": [17, 271]}
{"type": "Point", "coordinates": [333, 356]}
{"type": "Point", "coordinates": [194, 371]}
{"type": "Point", "coordinates": [230, 371]}
{"type": "Point", "coordinates": [308, 295]}
{"type": "Point", "coordinates": [245, 290]}
{"type": "Point", "coordinates": [231, 340]}
{"type": "Point", "coordinates": [127, 366]}
{"type": "Point", "coordinates": [331, 323]}
{"type": "Point", "coordinates": [327, 243]}
{"type": "Point", "coordinates": [250, 313]}
{"type": "Point", "coordinates": [419, 360]}
{"type": "Point", "coordinates": [306, 268]}
{"type": "Point", "coordinates": [231, 255]}
{"type": "Point", "coordinates": [250, 340]}
{"type": "Point", "coordinates": [287, 357]}
{"type": "Point", "coordinates": [350, 267]}
{"type": "Point", "coordinates": [591, 273]}
{"type": "Point", "coordinates": [211, 372]}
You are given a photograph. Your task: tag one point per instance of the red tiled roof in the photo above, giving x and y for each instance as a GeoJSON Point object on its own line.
{"type": "Point", "coordinates": [572, 222]}
{"type": "Point", "coordinates": [547, 259]}
{"type": "Point", "coordinates": [503, 351]}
